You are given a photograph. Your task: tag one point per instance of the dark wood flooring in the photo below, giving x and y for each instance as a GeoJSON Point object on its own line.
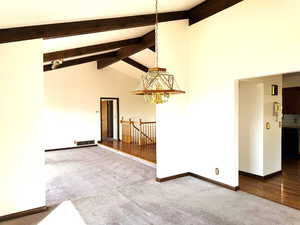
{"type": "Point", "coordinates": [146, 152]}
{"type": "Point", "coordinates": [283, 189]}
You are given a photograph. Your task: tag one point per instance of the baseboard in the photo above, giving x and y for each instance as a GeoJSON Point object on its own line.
{"type": "Point", "coordinates": [260, 177]}
{"type": "Point", "coordinates": [233, 188]}
{"type": "Point", "coordinates": [100, 141]}
{"type": "Point", "coordinates": [198, 177]}
{"type": "Point", "coordinates": [172, 177]}
{"type": "Point", "coordinates": [59, 149]}
{"type": "Point", "coordinates": [273, 174]}
{"type": "Point", "coordinates": [23, 213]}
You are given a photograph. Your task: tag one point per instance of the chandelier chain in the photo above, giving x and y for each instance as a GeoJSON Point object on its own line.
{"type": "Point", "coordinates": [156, 32]}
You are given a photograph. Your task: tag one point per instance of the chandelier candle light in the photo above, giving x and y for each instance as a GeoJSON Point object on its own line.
{"type": "Point", "coordinates": [157, 85]}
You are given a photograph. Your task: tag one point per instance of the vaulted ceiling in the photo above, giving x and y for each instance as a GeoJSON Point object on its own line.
{"type": "Point", "coordinates": [17, 15]}
{"type": "Point", "coordinates": [34, 12]}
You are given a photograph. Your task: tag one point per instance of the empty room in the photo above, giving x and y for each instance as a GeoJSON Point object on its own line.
{"type": "Point", "coordinates": [150, 112]}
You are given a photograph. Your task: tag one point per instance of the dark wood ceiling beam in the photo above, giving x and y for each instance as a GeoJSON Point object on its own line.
{"type": "Point", "coordinates": [89, 49]}
{"type": "Point", "coordinates": [74, 62]}
{"type": "Point", "coordinates": [209, 8]}
{"type": "Point", "coordinates": [152, 48]}
{"type": "Point", "coordinates": [85, 27]}
{"type": "Point", "coordinates": [146, 41]}
{"type": "Point", "coordinates": [136, 64]}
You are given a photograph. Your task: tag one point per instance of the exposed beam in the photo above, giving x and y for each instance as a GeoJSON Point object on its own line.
{"type": "Point", "coordinates": [89, 49]}
{"type": "Point", "coordinates": [152, 48]}
{"type": "Point", "coordinates": [136, 64]}
{"type": "Point", "coordinates": [56, 30]}
{"type": "Point", "coordinates": [146, 42]}
{"type": "Point", "coordinates": [74, 62]}
{"type": "Point", "coordinates": [209, 8]}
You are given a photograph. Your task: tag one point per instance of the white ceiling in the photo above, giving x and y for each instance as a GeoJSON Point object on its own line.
{"type": "Point", "coordinates": [129, 70]}
{"type": "Point", "coordinates": [92, 39]}
{"type": "Point", "coordinates": [30, 12]}
{"type": "Point", "coordinates": [146, 57]}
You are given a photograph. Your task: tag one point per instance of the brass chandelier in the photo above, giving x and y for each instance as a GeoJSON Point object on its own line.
{"type": "Point", "coordinates": [157, 84]}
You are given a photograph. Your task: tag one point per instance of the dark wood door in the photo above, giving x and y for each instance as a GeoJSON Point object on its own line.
{"type": "Point", "coordinates": [291, 100]}
{"type": "Point", "coordinates": [104, 120]}
{"type": "Point", "coordinates": [110, 119]}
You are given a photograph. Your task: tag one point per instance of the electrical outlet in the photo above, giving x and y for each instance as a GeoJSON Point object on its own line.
{"type": "Point", "coordinates": [217, 171]}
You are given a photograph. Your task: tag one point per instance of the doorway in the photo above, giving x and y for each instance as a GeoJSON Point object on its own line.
{"type": "Point", "coordinates": [269, 165]}
{"type": "Point", "coordinates": [109, 118]}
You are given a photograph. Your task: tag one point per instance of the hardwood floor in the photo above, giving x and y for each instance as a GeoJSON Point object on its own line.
{"type": "Point", "coordinates": [283, 189]}
{"type": "Point", "coordinates": [146, 152]}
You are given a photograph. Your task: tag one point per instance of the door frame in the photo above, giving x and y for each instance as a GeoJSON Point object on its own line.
{"type": "Point", "coordinates": [118, 116]}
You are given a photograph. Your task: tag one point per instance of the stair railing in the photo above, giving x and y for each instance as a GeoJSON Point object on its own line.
{"type": "Point", "coordinates": [142, 133]}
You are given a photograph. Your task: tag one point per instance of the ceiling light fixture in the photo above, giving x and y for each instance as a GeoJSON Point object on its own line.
{"type": "Point", "coordinates": [56, 63]}
{"type": "Point", "coordinates": [157, 85]}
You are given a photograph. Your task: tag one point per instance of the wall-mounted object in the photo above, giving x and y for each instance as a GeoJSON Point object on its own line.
{"type": "Point", "coordinates": [56, 63]}
{"type": "Point", "coordinates": [274, 90]}
{"type": "Point", "coordinates": [217, 171]}
{"type": "Point", "coordinates": [268, 125]}
{"type": "Point", "coordinates": [276, 110]}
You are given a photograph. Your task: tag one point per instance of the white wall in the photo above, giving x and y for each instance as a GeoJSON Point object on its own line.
{"type": "Point", "coordinates": [72, 97]}
{"type": "Point", "coordinates": [21, 100]}
{"type": "Point", "coordinates": [259, 148]}
{"type": "Point", "coordinates": [172, 116]}
{"type": "Point", "coordinates": [251, 39]}
{"type": "Point", "coordinates": [272, 137]}
{"type": "Point", "coordinates": [115, 116]}
{"type": "Point", "coordinates": [251, 127]}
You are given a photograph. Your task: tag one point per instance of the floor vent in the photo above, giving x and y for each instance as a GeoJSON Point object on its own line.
{"type": "Point", "coordinates": [80, 143]}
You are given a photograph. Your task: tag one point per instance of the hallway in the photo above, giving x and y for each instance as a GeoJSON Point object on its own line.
{"type": "Point", "coordinates": [284, 188]}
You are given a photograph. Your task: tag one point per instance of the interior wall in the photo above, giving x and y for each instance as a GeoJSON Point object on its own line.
{"type": "Point", "coordinates": [272, 136]}
{"type": "Point", "coordinates": [172, 152]}
{"type": "Point", "coordinates": [72, 102]}
{"type": "Point", "coordinates": [250, 39]}
{"type": "Point", "coordinates": [115, 116]}
{"type": "Point", "coordinates": [251, 127]}
{"type": "Point", "coordinates": [22, 184]}
{"type": "Point", "coordinates": [259, 148]}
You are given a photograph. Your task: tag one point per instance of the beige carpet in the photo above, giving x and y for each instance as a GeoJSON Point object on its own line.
{"type": "Point", "coordinates": [109, 189]}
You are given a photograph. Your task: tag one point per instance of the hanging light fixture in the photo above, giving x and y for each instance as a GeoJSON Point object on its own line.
{"type": "Point", "coordinates": [157, 85]}
{"type": "Point", "coordinates": [56, 63]}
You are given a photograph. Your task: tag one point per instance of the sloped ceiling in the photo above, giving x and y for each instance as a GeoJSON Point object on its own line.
{"type": "Point", "coordinates": [33, 12]}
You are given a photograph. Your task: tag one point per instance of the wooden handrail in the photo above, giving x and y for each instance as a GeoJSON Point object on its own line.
{"type": "Point", "coordinates": [138, 132]}
{"type": "Point", "coordinates": [142, 133]}
{"type": "Point", "coordinates": [147, 122]}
